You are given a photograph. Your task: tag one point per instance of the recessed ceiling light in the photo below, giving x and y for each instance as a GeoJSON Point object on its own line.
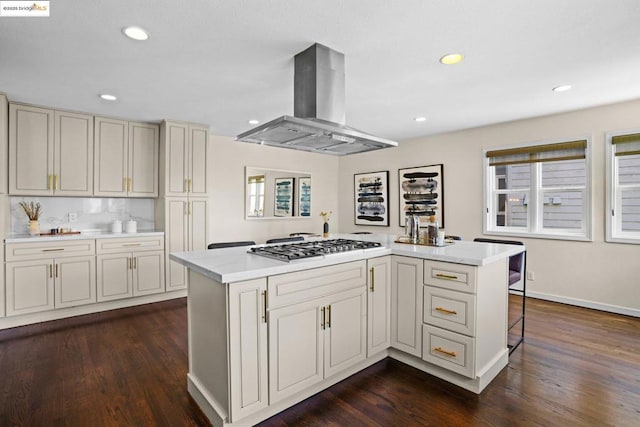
{"type": "Point", "coordinates": [108, 97]}
{"type": "Point", "coordinates": [254, 122]}
{"type": "Point", "coordinates": [451, 58]}
{"type": "Point", "coordinates": [420, 119]}
{"type": "Point", "coordinates": [135, 33]}
{"type": "Point", "coordinates": [562, 88]}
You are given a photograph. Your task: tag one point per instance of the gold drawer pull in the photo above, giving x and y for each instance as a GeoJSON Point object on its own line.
{"type": "Point", "coordinates": [446, 276]}
{"type": "Point", "coordinates": [53, 250]}
{"type": "Point", "coordinates": [131, 244]}
{"type": "Point", "coordinates": [446, 311]}
{"type": "Point", "coordinates": [445, 352]}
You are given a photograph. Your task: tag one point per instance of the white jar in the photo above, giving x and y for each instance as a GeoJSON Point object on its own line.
{"type": "Point", "coordinates": [131, 226]}
{"type": "Point", "coordinates": [116, 226]}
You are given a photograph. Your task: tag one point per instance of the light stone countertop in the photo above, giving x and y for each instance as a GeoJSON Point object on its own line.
{"type": "Point", "coordinates": [25, 238]}
{"type": "Point", "coordinates": [230, 265]}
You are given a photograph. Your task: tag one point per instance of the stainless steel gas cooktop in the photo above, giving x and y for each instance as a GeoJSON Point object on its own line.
{"type": "Point", "coordinates": [314, 248]}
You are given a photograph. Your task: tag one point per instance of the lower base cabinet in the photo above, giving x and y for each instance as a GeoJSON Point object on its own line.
{"type": "Point", "coordinates": [130, 274]}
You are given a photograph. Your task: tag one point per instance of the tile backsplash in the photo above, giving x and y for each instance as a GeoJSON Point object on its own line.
{"type": "Point", "coordinates": [93, 214]}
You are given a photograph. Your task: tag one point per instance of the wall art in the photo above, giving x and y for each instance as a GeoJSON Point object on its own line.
{"type": "Point", "coordinates": [371, 197]}
{"type": "Point", "coordinates": [421, 192]}
{"type": "Point", "coordinates": [284, 197]}
{"type": "Point", "coordinates": [304, 196]}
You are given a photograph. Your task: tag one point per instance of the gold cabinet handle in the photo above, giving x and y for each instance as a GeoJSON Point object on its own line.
{"type": "Point", "coordinates": [50, 183]}
{"type": "Point", "coordinates": [56, 270]}
{"type": "Point", "coordinates": [50, 271]}
{"type": "Point", "coordinates": [129, 263]}
{"type": "Point", "coordinates": [55, 182]}
{"type": "Point", "coordinates": [445, 352]}
{"type": "Point", "coordinates": [372, 274]}
{"type": "Point", "coordinates": [329, 316]}
{"type": "Point", "coordinates": [130, 184]}
{"type": "Point", "coordinates": [53, 250]}
{"type": "Point", "coordinates": [264, 306]}
{"type": "Point", "coordinates": [190, 185]}
{"type": "Point", "coordinates": [188, 208]}
{"type": "Point", "coordinates": [131, 244]}
{"type": "Point", "coordinates": [323, 318]}
{"type": "Point", "coordinates": [446, 276]}
{"type": "Point", "coordinates": [186, 185]}
{"type": "Point", "coordinates": [135, 262]}
{"type": "Point", "coordinates": [126, 184]}
{"type": "Point", "coordinates": [445, 310]}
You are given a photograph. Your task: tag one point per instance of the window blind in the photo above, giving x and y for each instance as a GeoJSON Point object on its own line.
{"type": "Point", "coordinates": [626, 145]}
{"type": "Point", "coordinates": [571, 150]}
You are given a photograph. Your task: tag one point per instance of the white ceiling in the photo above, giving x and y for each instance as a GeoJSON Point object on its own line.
{"type": "Point", "coordinates": [223, 62]}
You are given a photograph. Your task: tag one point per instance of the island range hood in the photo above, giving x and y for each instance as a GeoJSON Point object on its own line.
{"type": "Point", "coordinates": [318, 118]}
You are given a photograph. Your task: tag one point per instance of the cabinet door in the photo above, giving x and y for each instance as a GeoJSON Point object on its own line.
{"type": "Point", "coordinates": [295, 349]}
{"type": "Point", "coordinates": [406, 304]}
{"type": "Point", "coordinates": [176, 162]}
{"type": "Point", "coordinates": [114, 276]}
{"type": "Point", "coordinates": [30, 150]}
{"type": "Point", "coordinates": [73, 154]}
{"type": "Point", "coordinates": [4, 144]}
{"type": "Point", "coordinates": [248, 347]}
{"type": "Point", "coordinates": [75, 281]}
{"type": "Point", "coordinates": [148, 273]}
{"type": "Point", "coordinates": [176, 240]}
{"type": "Point", "coordinates": [29, 286]}
{"type": "Point", "coordinates": [143, 160]}
{"type": "Point", "coordinates": [111, 153]}
{"type": "Point", "coordinates": [2, 286]}
{"type": "Point", "coordinates": [198, 136]}
{"type": "Point", "coordinates": [345, 330]}
{"type": "Point", "coordinates": [379, 305]}
{"type": "Point", "coordinates": [198, 230]}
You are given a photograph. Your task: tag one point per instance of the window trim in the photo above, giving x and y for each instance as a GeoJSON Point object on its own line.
{"type": "Point", "coordinates": [610, 191]}
{"type": "Point", "coordinates": [585, 234]}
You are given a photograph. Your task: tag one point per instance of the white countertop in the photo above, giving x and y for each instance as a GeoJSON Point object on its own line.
{"type": "Point", "coordinates": [230, 265]}
{"type": "Point", "coordinates": [25, 238]}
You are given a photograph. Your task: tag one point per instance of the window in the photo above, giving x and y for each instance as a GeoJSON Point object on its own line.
{"type": "Point", "coordinates": [623, 188]}
{"type": "Point", "coordinates": [539, 191]}
{"type": "Point", "coordinates": [255, 189]}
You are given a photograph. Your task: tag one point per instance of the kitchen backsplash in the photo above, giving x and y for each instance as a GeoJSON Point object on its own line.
{"type": "Point", "coordinates": [92, 214]}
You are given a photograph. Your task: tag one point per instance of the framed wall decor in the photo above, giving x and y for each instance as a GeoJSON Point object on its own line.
{"type": "Point", "coordinates": [421, 192]}
{"type": "Point", "coordinates": [371, 198]}
{"type": "Point", "coordinates": [304, 196]}
{"type": "Point", "coordinates": [284, 197]}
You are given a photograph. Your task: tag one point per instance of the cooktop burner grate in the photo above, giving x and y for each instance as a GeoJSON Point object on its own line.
{"type": "Point", "coordinates": [309, 249]}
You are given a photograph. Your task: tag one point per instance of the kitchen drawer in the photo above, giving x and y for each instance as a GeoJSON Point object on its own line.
{"type": "Point", "coordinates": [292, 288]}
{"type": "Point", "coordinates": [129, 244]}
{"type": "Point", "coordinates": [448, 350]}
{"type": "Point", "coordinates": [458, 277]}
{"type": "Point", "coordinates": [451, 310]}
{"type": "Point", "coordinates": [57, 249]}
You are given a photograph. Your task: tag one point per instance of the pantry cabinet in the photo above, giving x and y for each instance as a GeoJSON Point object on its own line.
{"type": "Point", "coordinates": [183, 156]}
{"type": "Point", "coordinates": [126, 158]}
{"type": "Point", "coordinates": [185, 230]}
{"type": "Point", "coordinates": [51, 275]}
{"type": "Point", "coordinates": [129, 267]}
{"type": "Point", "coordinates": [51, 152]}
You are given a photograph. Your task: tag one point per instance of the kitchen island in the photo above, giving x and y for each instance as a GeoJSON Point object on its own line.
{"type": "Point", "coordinates": [265, 334]}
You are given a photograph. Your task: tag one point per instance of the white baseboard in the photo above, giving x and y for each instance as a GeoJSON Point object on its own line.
{"type": "Point", "coordinates": [585, 303]}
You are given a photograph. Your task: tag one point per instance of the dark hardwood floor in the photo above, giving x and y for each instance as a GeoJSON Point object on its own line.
{"type": "Point", "coordinates": [577, 367]}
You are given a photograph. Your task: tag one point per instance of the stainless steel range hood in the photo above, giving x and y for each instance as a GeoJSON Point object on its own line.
{"type": "Point", "coordinates": [319, 111]}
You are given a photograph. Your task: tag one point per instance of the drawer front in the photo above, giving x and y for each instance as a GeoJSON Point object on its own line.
{"type": "Point", "coordinates": [129, 244]}
{"type": "Point", "coordinates": [292, 288]}
{"type": "Point", "coordinates": [450, 310]}
{"type": "Point", "coordinates": [458, 277]}
{"type": "Point", "coordinates": [39, 250]}
{"type": "Point", "coordinates": [449, 350]}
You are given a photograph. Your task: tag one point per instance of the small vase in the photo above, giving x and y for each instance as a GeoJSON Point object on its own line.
{"type": "Point", "coordinates": [34, 227]}
{"type": "Point", "coordinates": [325, 230]}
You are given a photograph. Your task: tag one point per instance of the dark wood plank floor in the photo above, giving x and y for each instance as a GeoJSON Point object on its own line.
{"type": "Point", "coordinates": [128, 368]}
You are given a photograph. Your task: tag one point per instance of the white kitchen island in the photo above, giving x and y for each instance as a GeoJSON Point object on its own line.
{"type": "Point", "coordinates": [265, 334]}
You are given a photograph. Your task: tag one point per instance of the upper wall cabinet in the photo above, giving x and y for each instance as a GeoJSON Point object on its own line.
{"type": "Point", "coordinates": [50, 152]}
{"type": "Point", "coordinates": [184, 156]}
{"type": "Point", "coordinates": [126, 158]}
{"type": "Point", "coordinates": [4, 137]}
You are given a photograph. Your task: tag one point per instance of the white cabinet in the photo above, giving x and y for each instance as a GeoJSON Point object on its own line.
{"type": "Point", "coordinates": [51, 152]}
{"type": "Point", "coordinates": [183, 156]}
{"type": "Point", "coordinates": [248, 347]}
{"type": "Point", "coordinates": [126, 158]}
{"type": "Point", "coordinates": [2, 287]}
{"type": "Point", "coordinates": [45, 276]}
{"type": "Point", "coordinates": [378, 305]}
{"type": "Point", "coordinates": [314, 338]}
{"type": "Point", "coordinates": [129, 267]}
{"type": "Point", "coordinates": [4, 144]}
{"type": "Point", "coordinates": [406, 304]}
{"type": "Point", "coordinates": [185, 230]}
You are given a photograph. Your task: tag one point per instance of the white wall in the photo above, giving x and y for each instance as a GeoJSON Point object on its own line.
{"type": "Point", "coordinates": [226, 179]}
{"type": "Point", "coordinates": [594, 274]}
